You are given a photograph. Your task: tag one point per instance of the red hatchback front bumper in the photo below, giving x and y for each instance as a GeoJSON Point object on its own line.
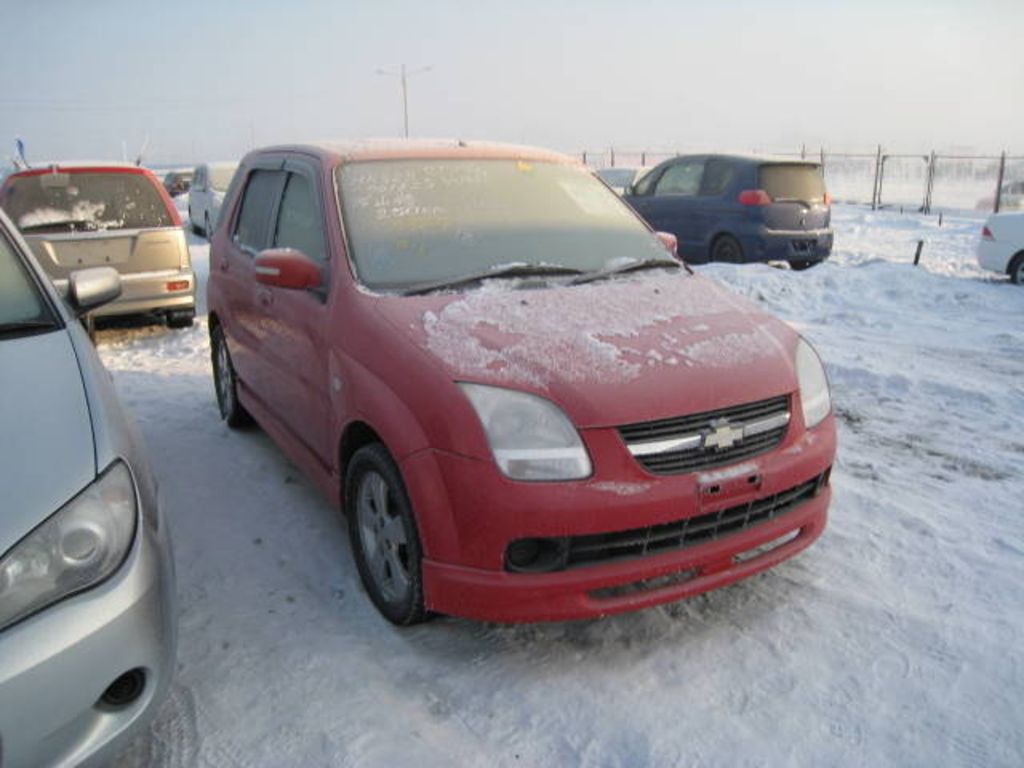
{"type": "Point", "coordinates": [469, 514]}
{"type": "Point", "coordinates": [591, 592]}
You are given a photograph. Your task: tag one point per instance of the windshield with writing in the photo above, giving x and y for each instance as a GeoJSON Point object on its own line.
{"type": "Point", "coordinates": [412, 222]}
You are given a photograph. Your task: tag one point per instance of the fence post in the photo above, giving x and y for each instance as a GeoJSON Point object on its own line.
{"type": "Point", "coordinates": [881, 178]}
{"type": "Point", "coordinates": [999, 183]}
{"type": "Point", "coordinates": [803, 151]}
{"type": "Point", "coordinates": [929, 183]}
{"type": "Point", "coordinates": [878, 170]}
{"type": "Point", "coordinates": [584, 157]}
{"type": "Point", "coordinates": [643, 159]}
{"type": "Point", "coordinates": [917, 254]}
{"type": "Point", "coordinates": [611, 153]}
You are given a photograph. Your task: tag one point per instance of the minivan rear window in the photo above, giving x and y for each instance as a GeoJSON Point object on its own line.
{"type": "Point", "coordinates": [86, 201]}
{"type": "Point", "coordinates": [793, 181]}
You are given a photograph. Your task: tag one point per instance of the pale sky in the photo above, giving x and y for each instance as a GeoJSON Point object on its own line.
{"type": "Point", "coordinates": [204, 79]}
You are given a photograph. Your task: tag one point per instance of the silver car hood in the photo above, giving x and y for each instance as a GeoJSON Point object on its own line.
{"type": "Point", "coordinates": [47, 454]}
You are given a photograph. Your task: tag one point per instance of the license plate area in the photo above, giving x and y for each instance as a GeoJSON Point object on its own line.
{"type": "Point", "coordinates": [728, 490]}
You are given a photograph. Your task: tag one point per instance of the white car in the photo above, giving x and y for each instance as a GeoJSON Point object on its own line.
{"type": "Point", "coordinates": [209, 183]}
{"type": "Point", "coordinates": [1001, 248]}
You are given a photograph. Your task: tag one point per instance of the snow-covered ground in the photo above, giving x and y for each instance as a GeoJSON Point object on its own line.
{"type": "Point", "coordinates": [894, 640]}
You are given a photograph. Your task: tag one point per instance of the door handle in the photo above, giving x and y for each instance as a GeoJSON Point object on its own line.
{"type": "Point", "coordinates": [265, 298]}
{"type": "Point", "coordinates": [224, 264]}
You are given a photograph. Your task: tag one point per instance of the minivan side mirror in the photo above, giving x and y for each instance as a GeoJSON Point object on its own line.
{"type": "Point", "coordinates": [287, 268]}
{"type": "Point", "coordinates": [629, 190]}
{"type": "Point", "coordinates": [92, 288]}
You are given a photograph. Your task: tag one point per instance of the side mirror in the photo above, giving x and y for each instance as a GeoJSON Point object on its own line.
{"type": "Point", "coordinates": [670, 241]}
{"type": "Point", "coordinates": [287, 268]}
{"type": "Point", "coordinates": [629, 190]}
{"type": "Point", "coordinates": [92, 288]}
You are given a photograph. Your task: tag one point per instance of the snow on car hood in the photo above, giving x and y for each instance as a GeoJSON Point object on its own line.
{"type": "Point", "coordinates": [610, 352]}
{"type": "Point", "coordinates": [47, 454]}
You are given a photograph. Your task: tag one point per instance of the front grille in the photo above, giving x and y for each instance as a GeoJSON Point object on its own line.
{"type": "Point", "coordinates": [602, 547]}
{"type": "Point", "coordinates": [690, 459]}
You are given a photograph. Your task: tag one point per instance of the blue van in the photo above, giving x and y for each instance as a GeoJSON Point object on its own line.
{"type": "Point", "coordinates": [738, 209]}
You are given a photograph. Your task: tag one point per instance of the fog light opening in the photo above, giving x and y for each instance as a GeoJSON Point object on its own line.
{"type": "Point", "coordinates": [537, 555]}
{"type": "Point", "coordinates": [124, 690]}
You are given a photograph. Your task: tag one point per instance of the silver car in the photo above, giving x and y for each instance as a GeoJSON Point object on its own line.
{"type": "Point", "coordinates": [87, 614]}
{"type": "Point", "coordinates": [77, 215]}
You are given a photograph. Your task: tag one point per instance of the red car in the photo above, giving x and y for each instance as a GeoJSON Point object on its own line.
{"type": "Point", "coordinates": [528, 408]}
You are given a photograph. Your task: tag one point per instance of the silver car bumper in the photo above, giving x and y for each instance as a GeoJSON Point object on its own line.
{"type": "Point", "coordinates": [56, 665]}
{"type": "Point", "coordinates": [143, 292]}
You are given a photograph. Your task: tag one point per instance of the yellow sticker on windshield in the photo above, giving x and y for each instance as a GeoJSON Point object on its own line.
{"type": "Point", "coordinates": [522, 165]}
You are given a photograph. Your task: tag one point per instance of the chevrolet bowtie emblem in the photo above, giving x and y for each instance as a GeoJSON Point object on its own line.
{"type": "Point", "coordinates": [723, 436]}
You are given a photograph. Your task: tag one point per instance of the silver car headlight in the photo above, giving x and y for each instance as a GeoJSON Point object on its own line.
{"type": "Point", "coordinates": [814, 393]}
{"type": "Point", "coordinates": [77, 547]}
{"type": "Point", "coordinates": [530, 437]}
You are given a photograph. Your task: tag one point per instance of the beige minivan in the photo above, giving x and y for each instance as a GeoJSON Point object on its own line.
{"type": "Point", "coordinates": [76, 216]}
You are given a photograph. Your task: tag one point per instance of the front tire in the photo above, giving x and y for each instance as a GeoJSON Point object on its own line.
{"type": "Point", "coordinates": [385, 541]}
{"type": "Point", "coordinates": [226, 382]}
{"type": "Point", "coordinates": [727, 248]}
{"type": "Point", "coordinates": [1016, 269]}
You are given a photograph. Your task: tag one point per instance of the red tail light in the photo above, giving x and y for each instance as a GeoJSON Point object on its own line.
{"type": "Point", "coordinates": [828, 199]}
{"type": "Point", "coordinates": [986, 234]}
{"type": "Point", "coordinates": [754, 197]}
{"type": "Point", "coordinates": [177, 285]}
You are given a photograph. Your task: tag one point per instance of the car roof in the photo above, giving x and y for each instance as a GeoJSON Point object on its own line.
{"type": "Point", "coordinates": [339, 152]}
{"type": "Point", "coordinates": [81, 166]}
{"type": "Point", "coordinates": [748, 159]}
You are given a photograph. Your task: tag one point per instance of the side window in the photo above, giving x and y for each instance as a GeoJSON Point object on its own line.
{"type": "Point", "coordinates": [258, 198]}
{"type": "Point", "coordinates": [299, 224]}
{"type": "Point", "coordinates": [683, 178]}
{"type": "Point", "coordinates": [718, 174]}
{"type": "Point", "coordinates": [646, 183]}
{"type": "Point", "coordinates": [200, 180]}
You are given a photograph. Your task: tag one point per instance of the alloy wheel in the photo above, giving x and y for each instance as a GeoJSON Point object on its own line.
{"type": "Point", "coordinates": [383, 537]}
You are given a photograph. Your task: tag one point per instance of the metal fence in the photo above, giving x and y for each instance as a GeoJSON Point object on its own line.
{"type": "Point", "coordinates": [926, 182]}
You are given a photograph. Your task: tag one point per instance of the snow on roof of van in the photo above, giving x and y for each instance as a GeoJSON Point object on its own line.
{"type": "Point", "coordinates": [80, 164]}
{"type": "Point", "coordinates": [379, 149]}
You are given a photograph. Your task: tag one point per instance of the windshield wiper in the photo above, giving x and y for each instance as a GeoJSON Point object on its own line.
{"type": "Point", "coordinates": [512, 270]}
{"type": "Point", "coordinates": [71, 224]}
{"type": "Point", "coordinates": [21, 326]}
{"type": "Point", "coordinates": [633, 266]}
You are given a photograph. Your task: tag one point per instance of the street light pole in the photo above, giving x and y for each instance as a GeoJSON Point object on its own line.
{"type": "Point", "coordinates": [404, 74]}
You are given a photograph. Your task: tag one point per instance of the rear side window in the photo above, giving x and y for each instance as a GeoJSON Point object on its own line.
{"type": "Point", "coordinates": [84, 202]}
{"type": "Point", "coordinates": [681, 179]}
{"type": "Point", "coordinates": [718, 176]}
{"type": "Point", "coordinates": [299, 224]}
{"type": "Point", "coordinates": [793, 182]}
{"type": "Point", "coordinates": [258, 199]}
